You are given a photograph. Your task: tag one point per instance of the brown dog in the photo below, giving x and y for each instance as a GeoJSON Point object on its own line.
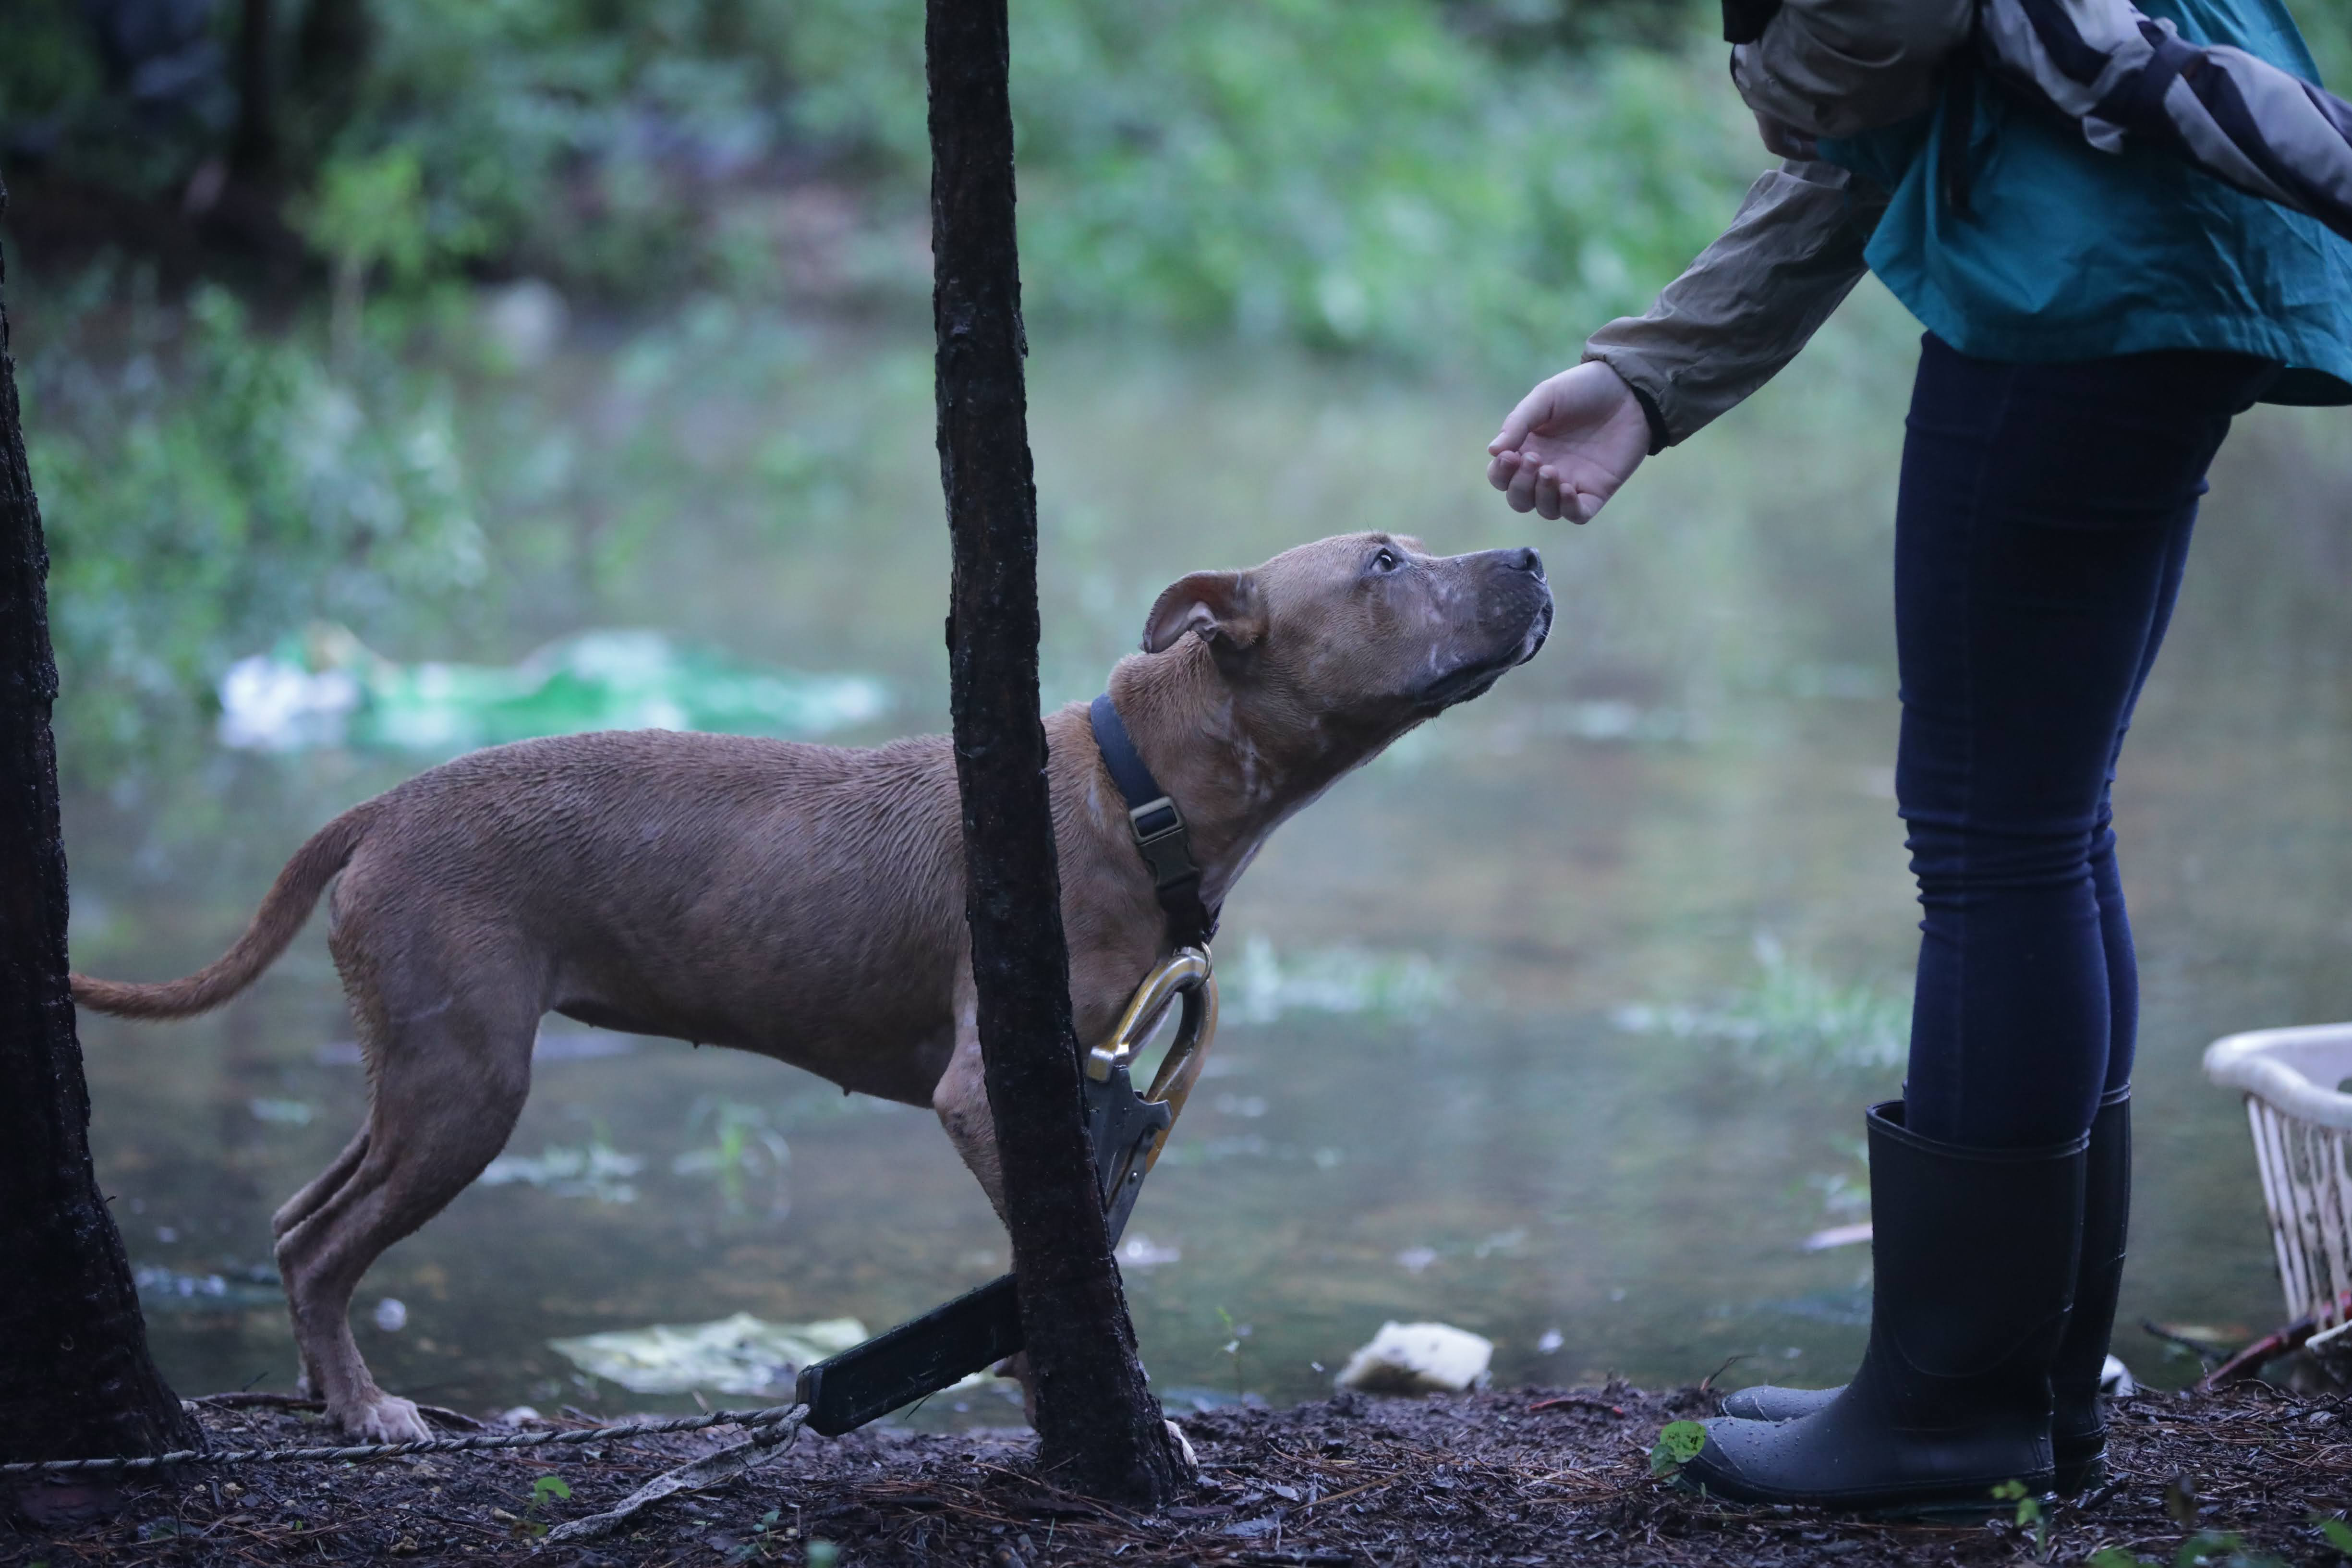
{"type": "Point", "coordinates": [806, 902]}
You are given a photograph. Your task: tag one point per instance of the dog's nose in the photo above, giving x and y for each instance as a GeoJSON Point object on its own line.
{"type": "Point", "coordinates": [1527, 561]}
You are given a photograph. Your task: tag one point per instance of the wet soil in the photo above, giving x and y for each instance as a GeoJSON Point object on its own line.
{"type": "Point", "coordinates": [1525, 1477]}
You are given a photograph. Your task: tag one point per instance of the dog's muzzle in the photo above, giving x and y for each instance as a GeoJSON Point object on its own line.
{"type": "Point", "coordinates": [1520, 599]}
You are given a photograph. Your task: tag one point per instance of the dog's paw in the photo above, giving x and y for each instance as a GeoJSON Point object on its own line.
{"type": "Point", "coordinates": [385, 1418]}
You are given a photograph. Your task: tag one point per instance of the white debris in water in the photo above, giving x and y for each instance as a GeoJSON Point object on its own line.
{"type": "Point", "coordinates": [742, 1354]}
{"type": "Point", "coordinates": [1836, 1236]}
{"type": "Point", "coordinates": [596, 1172]}
{"type": "Point", "coordinates": [164, 1289]}
{"type": "Point", "coordinates": [328, 690]}
{"type": "Point", "coordinates": [1259, 986]}
{"type": "Point", "coordinates": [1510, 1240]}
{"type": "Point", "coordinates": [283, 1113]}
{"type": "Point", "coordinates": [1416, 1259]}
{"type": "Point", "coordinates": [1139, 1251]}
{"type": "Point", "coordinates": [525, 320]}
{"type": "Point", "coordinates": [268, 705]}
{"type": "Point", "coordinates": [1550, 1341]}
{"type": "Point", "coordinates": [1420, 1358]}
{"type": "Point", "coordinates": [392, 1314]}
{"type": "Point", "coordinates": [1611, 720]}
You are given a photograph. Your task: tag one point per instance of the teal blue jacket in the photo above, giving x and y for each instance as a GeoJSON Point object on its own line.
{"type": "Point", "coordinates": [2069, 253]}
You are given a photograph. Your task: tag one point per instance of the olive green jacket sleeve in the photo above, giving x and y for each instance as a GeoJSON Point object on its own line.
{"type": "Point", "coordinates": [1748, 303]}
{"type": "Point", "coordinates": [1834, 68]}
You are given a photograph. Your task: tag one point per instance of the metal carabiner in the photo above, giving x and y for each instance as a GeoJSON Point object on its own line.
{"type": "Point", "coordinates": [1186, 974]}
{"type": "Point", "coordinates": [1130, 1129]}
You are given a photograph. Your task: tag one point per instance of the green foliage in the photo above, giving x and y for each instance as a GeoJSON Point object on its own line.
{"type": "Point", "coordinates": [1350, 174]}
{"type": "Point", "coordinates": [1678, 1444]}
{"type": "Point", "coordinates": [369, 212]}
{"type": "Point", "coordinates": [743, 1144]}
{"type": "Point", "coordinates": [205, 488]}
{"type": "Point", "coordinates": [49, 65]}
{"type": "Point", "coordinates": [1441, 182]}
{"type": "Point", "coordinates": [1793, 1017]}
{"type": "Point", "coordinates": [548, 1487]}
{"type": "Point", "coordinates": [2030, 1516]}
{"type": "Point", "coordinates": [1236, 1333]}
{"type": "Point", "coordinates": [2339, 1533]}
{"type": "Point", "coordinates": [2206, 1549]}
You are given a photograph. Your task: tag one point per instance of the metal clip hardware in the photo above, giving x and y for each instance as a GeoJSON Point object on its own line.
{"type": "Point", "coordinates": [983, 1327]}
{"type": "Point", "coordinates": [1129, 1129]}
{"type": "Point", "coordinates": [1166, 846]}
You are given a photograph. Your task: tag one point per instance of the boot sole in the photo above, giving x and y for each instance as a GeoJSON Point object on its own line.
{"type": "Point", "coordinates": [1971, 1500]}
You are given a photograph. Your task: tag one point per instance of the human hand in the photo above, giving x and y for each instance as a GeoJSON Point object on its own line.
{"type": "Point", "coordinates": [1570, 443]}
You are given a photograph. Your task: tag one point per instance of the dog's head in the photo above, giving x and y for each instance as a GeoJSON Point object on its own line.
{"type": "Point", "coordinates": [1362, 635]}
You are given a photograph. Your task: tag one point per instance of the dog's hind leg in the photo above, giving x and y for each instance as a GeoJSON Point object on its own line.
{"type": "Point", "coordinates": [305, 1204]}
{"type": "Point", "coordinates": [447, 1086]}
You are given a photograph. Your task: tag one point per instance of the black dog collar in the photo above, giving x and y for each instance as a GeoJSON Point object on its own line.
{"type": "Point", "coordinates": [1158, 828]}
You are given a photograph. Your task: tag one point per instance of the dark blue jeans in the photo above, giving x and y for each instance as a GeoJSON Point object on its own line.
{"type": "Point", "coordinates": [2043, 526]}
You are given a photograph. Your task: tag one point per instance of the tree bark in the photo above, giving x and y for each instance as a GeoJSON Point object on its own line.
{"type": "Point", "coordinates": [75, 1377]}
{"type": "Point", "coordinates": [1100, 1428]}
{"type": "Point", "coordinates": [253, 147]}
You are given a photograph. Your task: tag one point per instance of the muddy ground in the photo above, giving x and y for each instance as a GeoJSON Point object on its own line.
{"type": "Point", "coordinates": [1525, 1477]}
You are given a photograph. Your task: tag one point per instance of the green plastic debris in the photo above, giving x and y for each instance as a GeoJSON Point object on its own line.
{"type": "Point", "coordinates": [327, 690]}
{"type": "Point", "coordinates": [742, 1354]}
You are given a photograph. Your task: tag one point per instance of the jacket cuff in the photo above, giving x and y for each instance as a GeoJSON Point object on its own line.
{"type": "Point", "coordinates": [1638, 378]}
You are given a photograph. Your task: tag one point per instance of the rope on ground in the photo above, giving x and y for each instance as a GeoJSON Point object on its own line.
{"type": "Point", "coordinates": [780, 1420]}
{"type": "Point", "coordinates": [763, 1447]}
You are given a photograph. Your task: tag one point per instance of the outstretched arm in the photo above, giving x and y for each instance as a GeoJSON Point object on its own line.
{"type": "Point", "coordinates": [1716, 334]}
{"type": "Point", "coordinates": [1834, 68]}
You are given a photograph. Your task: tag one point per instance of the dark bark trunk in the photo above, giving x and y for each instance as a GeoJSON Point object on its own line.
{"type": "Point", "coordinates": [253, 148]}
{"type": "Point", "coordinates": [75, 1378]}
{"type": "Point", "coordinates": [1100, 1428]}
{"type": "Point", "coordinates": [333, 45]}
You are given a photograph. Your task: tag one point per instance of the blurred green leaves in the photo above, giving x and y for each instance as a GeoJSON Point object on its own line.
{"type": "Point", "coordinates": [1347, 174]}
{"type": "Point", "coordinates": [1438, 181]}
{"type": "Point", "coordinates": [205, 488]}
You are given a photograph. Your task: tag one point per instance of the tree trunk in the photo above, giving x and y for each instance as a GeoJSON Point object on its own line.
{"type": "Point", "coordinates": [253, 147]}
{"type": "Point", "coordinates": [1100, 1428]}
{"type": "Point", "coordinates": [75, 1378]}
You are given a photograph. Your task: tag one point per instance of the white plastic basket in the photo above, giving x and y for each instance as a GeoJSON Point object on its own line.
{"type": "Point", "coordinates": [2303, 1143]}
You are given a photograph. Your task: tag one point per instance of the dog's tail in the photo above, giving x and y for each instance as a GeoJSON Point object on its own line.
{"type": "Point", "coordinates": [281, 915]}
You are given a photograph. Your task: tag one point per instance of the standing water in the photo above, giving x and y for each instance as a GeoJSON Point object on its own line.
{"type": "Point", "coordinates": [1556, 1022]}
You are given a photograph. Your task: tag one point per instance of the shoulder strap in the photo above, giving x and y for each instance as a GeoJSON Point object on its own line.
{"type": "Point", "coordinates": [1160, 836]}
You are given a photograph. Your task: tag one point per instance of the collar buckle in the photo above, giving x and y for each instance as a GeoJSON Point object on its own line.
{"type": "Point", "coordinates": [1166, 844]}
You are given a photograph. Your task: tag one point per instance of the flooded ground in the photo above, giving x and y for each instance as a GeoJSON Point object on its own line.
{"type": "Point", "coordinates": [1556, 1023]}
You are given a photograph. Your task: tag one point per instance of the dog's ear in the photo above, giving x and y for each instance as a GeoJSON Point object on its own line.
{"type": "Point", "coordinates": [1223, 607]}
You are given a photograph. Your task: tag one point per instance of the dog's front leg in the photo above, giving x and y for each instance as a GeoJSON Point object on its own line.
{"type": "Point", "coordinates": [961, 1101]}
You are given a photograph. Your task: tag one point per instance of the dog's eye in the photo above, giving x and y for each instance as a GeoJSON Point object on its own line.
{"type": "Point", "coordinates": [1385, 560]}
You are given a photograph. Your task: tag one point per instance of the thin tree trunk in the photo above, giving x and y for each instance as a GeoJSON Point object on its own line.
{"type": "Point", "coordinates": [75, 1377]}
{"type": "Point", "coordinates": [1100, 1428]}
{"type": "Point", "coordinates": [253, 148]}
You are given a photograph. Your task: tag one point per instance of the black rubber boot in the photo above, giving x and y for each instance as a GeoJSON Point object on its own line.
{"type": "Point", "coordinates": [2078, 1421]}
{"type": "Point", "coordinates": [1974, 1253]}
